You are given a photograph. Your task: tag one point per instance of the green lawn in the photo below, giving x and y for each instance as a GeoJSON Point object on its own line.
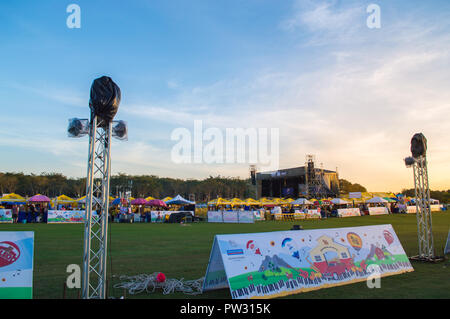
{"type": "Point", "coordinates": [183, 252]}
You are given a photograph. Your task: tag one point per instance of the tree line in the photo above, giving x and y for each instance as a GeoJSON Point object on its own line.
{"type": "Point", "coordinates": [55, 184]}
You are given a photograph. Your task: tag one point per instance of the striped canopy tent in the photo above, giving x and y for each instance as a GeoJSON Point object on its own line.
{"type": "Point", "coordinates": [268, 202]}
{"type": "Point", "coordinates": [391, 200]}
{"type": "Point", "coordinates": [166, 199]}
{"type": "Point", "coordinates": [213, 202]}
{"type": "Point", "coordinates": [179, 200]}
{"type": "Point", "coordinates": [219, 201]}
{"type": "Point", "coordinates": [13, 198]}
{"type": "Point", "coordinates": [150, 198]}
{"type": "Point", "coordinates": [237, 202]}
{"type": "Point", "coordinates": [252, 202]}
{"type": "Point", "coordinates": [223, 201]}
{"type": "Point", "coordinates": [312, 200]}
{"type": "Point", "coordinates": [282, 201]}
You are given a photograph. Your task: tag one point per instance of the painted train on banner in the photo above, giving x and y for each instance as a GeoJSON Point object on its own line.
{"type": "Point", "coordinates": [265, 265]}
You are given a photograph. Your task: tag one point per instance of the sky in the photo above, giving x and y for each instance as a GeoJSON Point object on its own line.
{"type": "Point", "coordinates": [351, 95]}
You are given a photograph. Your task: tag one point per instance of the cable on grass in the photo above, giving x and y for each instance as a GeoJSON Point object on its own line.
{"type": "Point", "coordinates": [149, 283]}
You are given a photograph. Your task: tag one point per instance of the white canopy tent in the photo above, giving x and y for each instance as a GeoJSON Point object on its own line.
{"type": "Point", "coordinates": [376, 200]}
{"type": "Point", "coordinates": [301, 201]}
{"type": "Point", "coordinates": [338, 201]}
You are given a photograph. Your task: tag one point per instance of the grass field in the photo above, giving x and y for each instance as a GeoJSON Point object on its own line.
{"type": "Point", "coordinates": [183, 252]}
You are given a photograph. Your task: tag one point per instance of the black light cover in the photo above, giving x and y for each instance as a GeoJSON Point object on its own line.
{"type": "Point", "coordinates": [78, 127]}
{"type": "Point", "coordinates": [105, 98]}
{"type": "Point", "coordinates": [120, 130]}
{"type": "Point", "coordinates": [418, 145]}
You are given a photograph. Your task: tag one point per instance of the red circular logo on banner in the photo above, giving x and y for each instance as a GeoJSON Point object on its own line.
{"type": "Point", "coordinates": [9, 253]}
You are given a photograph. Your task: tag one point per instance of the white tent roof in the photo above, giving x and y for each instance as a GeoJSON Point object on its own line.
{"type": "Point", "coordinates": [338, 201]}
{"type": "Point", "coordinates": [376, 200]}
{"type": "Point", "coordinates": [301, 201]}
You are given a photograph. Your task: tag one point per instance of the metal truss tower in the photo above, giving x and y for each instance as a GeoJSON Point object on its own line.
{"type": "Point", "coordinates": [422, 192]}
{"type": "Point", "coordinates": [97, 200]}
{"type": "Point", "coordinates": [314, 186]}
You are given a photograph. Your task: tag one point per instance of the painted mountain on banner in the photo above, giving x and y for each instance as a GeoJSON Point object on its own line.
{"type": "Point", "coordinates": [273, 263]}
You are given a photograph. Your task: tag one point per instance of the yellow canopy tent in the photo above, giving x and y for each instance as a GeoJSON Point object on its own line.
{"type": "Point", "coordinates": [252, 202]}
{"type": "Point", "coordinates": [219, 201]}
{"type": "Point", "coordinates": [213, 202]}
{"type": "Point", "coordinates": [13, 198]}
{"type": "Point", "coordinates": [166, 199]}
{"type": "Point", "coordinates": [65, 199]}
{"type": "Point", "coordinates": [237, 202]}
{"type": "Point", "coordinates": [149, 198]}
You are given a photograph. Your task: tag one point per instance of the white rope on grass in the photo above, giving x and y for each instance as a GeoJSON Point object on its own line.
{"type": "Point", "coordinates": [148, 283]}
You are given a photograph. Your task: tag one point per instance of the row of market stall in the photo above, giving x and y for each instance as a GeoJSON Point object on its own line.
{"type": "Point", "coordinates": [40, 208]}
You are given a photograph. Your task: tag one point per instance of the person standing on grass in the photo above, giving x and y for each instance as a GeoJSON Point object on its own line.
{"type": "Point", "coordinates": [15, 213]}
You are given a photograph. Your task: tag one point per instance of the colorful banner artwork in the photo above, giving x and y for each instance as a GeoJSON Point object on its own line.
{"type": "Point", "coordinates": [313, 213]}
{"type": "Point", "coordinates": [299, 214]}
{"type": "Point", "coordinates": [378, 211]}
{"type": "Point", "coordinates": [6, 216]}
{"type": "Point", "coordinates": [433, 208]}
{"type": "Point", "coordinates": [411, 209]}
{"type": "Point", "coordinates": [447, 244]}
{"type": "Point", "coordinates": [235, 216]}
{"type": "Point", "coordinates": [349, 212]}
{"type": "Point", "coordinates": [65, 216]}
{"type": "Point", "coordinates": [259, 214]}
{"type": "Point", "coordinates": [162, 216]}
{"type": "Point", "coordinates": [16, 265]}
{"type": "Point", "coordinates": [267, 265]}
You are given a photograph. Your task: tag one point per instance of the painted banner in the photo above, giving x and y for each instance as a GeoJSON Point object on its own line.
{"type": "Point", "coordinates": [435, 208]}
{"type": "Point", "coordinates": [16, 265]}
{"type": "Point", "coordinates": [6, 216]}
{"type": "Point", "coordinates": [259, 214]}
{"type": "Point", "coordinates": [313, 213]}
{"type": "Point", "coordinates": [354, 195]}
{"type": "Point", "coordinates": [215, 216]}
{"type": "Point", "coordinates": [349, 212]}
{"type": "Point", "coordinates": [378, 211]}
{"type": "Point", "coordinates": [413, 209]}
{"type": "Point", "coordinates": [235, 216]}
{"type": "Point", "coordinates": [447, 245]}
{"type": "Point", "coordinates": [299, 214]}
{"type": "Point", "coordinates": [160, 216]}
{"type": "Point", "coordinates": [230, 216]}
{"type": "Point", "coordinates": [267, 265]}
{"type": "Point", "coordinates": [246, 217]}
{"type": "Point", "coordinates": [65, 216]}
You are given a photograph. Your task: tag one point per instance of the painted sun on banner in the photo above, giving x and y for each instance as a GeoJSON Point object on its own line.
{"type": "Point", "coordinates": [267, 265]}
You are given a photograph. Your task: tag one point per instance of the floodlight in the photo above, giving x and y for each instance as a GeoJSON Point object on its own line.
{"type": "Point", "coordinates": [78, 127]}
{"type": "Point", "coordinates": [120, 130]}
{"type": "Point", "coordinates": [409, 161]}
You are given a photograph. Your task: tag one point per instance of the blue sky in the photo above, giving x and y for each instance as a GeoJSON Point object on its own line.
{"type": "Point", "coordinates": [351, 95]}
